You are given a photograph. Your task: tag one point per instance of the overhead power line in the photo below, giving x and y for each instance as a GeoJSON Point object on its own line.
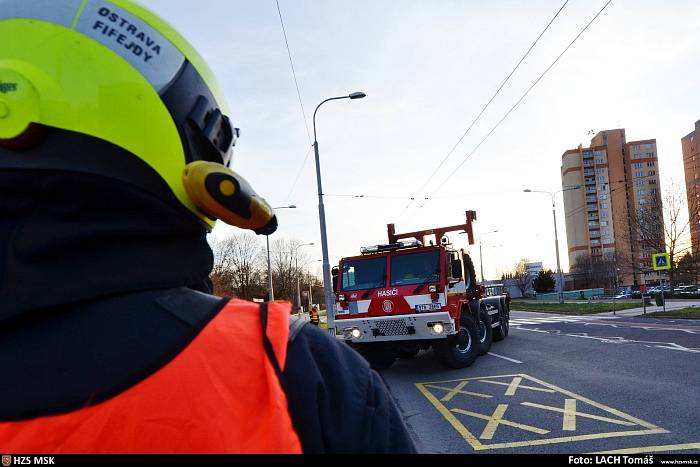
{"type": "Point", "coordinates": [294, 73]}
{"type": "Point", "coordinates": [301, 103]}
{"type": "Point", "coordinates": [532, 86]}
{"type": "Point", "coordinates": [483, 109]}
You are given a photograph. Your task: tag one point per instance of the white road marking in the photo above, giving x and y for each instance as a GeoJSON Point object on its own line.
{"type": "Point", "coordinates": [555, 319]}
{"type": "Point", "coordinates": [505, 358]}
{"type": "Point", "coordinates": [619, 340]}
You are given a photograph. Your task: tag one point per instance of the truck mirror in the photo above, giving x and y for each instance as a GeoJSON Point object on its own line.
{"type": "Point", "coordinates": [334, 274]}
{"type": "Point", "coordinates": [456, 269]}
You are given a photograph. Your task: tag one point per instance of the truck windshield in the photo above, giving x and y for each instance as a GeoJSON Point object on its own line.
{"type": "Point", "coordinates": [364, 274]}
{"type": "Point", "coordinates": [415, 268]}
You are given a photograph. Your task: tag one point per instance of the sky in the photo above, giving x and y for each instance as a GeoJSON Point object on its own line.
{"type": "Point", "coordinates": [428, 68]}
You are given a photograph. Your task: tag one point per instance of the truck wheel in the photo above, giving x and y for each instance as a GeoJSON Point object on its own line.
{"type": "Point", "coordinates": [378, 358]}
{"type": "Point", "coordinates": [461, 349]}
{"type": "Point", "coordinates": [485, 332]}
{"type": "Point", "coordinates": [501, 331]}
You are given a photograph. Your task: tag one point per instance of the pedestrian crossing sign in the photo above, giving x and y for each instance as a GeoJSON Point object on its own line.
{"type": "Point", "coordinates": [661, 261]}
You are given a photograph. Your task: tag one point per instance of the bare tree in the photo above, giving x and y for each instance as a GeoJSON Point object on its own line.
{"type": "Point", "coordinates": [595, 272]}
{"type": "Point", "coordinates": [237, 269]}
{"type": "Point", "coordinates": [662, 225]}
{"type": "Point", "coordinates": [523, 279]}
{"type": "Point", "coordinates": [288, 261]}
{"type": "Point", "coordinates": [222, 273]}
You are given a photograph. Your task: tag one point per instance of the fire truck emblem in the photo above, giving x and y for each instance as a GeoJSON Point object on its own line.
{"type": "Point", "coordinates": [388, 306]}
{"type": "Point", "coordinates": [6, 460]}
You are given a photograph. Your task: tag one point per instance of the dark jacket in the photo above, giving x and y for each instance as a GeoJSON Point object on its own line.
{"type": "Point", "coordinates": [96, 294]}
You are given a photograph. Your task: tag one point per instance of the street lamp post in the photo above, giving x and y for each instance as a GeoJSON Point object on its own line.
{"type": "Point", "coordinates": [270, 290]}
{"type": "Point", "coordinates": [481, 262]}
{"type": "Point", "coordinates": [296, 267]}
{"type": "Point", "coordinates": [327, 285]}
{"type": "Point", "coordinates": [556, 236]}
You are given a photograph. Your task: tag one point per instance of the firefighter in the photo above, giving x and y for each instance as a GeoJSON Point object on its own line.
{"type": "Point", "coordinates": [115, 144]}
{"type": "Point", "coordinates": [313, 316]}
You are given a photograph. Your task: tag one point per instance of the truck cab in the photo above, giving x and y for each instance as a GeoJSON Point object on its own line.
{"type": "Point", "coordinates": [397, 298]}
{"type": "Point", "coordinates": [397, 290]}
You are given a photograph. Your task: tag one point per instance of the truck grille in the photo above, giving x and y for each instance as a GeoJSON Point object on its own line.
{"type": "Point", "coordinates": [392, 327]}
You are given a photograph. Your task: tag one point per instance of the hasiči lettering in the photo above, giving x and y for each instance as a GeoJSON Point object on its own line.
{"type": "Point", "coordinates": [126, 34]}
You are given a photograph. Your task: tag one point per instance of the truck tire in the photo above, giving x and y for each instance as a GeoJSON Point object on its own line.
{"type": "Point", "coordinates": [485, 331]}
{"type": "Point", "coordinates": [378, 357]}
{"type": "Point", "coordinates": [501, 331]}
{"type": "Point", "coordinates": [469, 275]}
{"type": "Point", "coordinates": [461, 349]}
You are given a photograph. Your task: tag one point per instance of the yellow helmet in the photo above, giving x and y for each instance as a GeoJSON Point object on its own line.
{"type": "Point", "coordinates": [109, 88]}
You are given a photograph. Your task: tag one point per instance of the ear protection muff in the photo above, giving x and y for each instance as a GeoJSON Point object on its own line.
{"type": "Point", "coordinates": [220, 193]}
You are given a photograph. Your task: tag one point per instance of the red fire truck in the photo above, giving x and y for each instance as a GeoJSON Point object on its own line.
{"type": "Point", "coordinates": [404, 296]}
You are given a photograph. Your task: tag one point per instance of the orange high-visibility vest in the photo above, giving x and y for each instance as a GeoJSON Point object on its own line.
{"type": "Point", "coordinates": [221, 394]}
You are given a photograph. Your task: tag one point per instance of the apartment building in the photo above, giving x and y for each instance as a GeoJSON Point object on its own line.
{"type": "Point", "coordinates": [691, 167]}
{"type": "Point", "coordinates": [618, 185]}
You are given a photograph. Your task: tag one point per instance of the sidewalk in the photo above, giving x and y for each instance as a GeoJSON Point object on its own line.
{"type": "Point", "coordinates": [671, 304]}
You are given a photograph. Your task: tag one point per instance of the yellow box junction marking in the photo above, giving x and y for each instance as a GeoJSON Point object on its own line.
{"type": "Point", "coordinates": [497, 418]}
{"type": "Point", "coordinates": [458, 390]}
{"type": "Point", "coordinates": [515, 384]}
{"type": "Point", "coordinates": [572, 408]}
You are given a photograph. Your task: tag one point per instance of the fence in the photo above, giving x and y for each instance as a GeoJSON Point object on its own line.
{"type": "Point", "coordinates": [582, 294]}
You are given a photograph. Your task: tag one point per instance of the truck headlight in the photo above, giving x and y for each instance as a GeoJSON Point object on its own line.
{"type": "Point", "coordinates": [355, 333]}
{"type": "Point", "coordinates": [437, 328]}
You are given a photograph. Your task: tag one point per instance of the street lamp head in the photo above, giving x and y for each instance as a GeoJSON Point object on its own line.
{"type": "Point", "coordinates": [292, 206]}
{"type": "Point", "coordinates": [357, 95]}
{"type": "Point", "coordinates": [527, 190]}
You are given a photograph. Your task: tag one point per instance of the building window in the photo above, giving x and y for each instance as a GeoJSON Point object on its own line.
{"type": "Point", "coordinates": [639, 173]}
{"type": "Point", "coordinates": [601, 179]}
{"type": "Point", "coordinates": [604, 205]}
{"type": "Point", "coordinates": [604, 223]}
{"type": "Point", "coordinates": [635, 147]}
{"type": "Point", "coordinates": [652, 172]}
{"type": "Point", "coordinates": [603, 196]}
{"type": "Point", "coordinates": [651, 164]}
{"type": "Point", "coordinates": [599, 170]}
{"type": "Point", "coordinates": [604, 214]}
{"type": "Point", "coordinates": [647, 146]}
{"type": "Point", "coordinates": [600, 161]}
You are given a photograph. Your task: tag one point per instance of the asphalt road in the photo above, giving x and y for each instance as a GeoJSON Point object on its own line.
{"type": "Point", "coordinates": [560, 384]}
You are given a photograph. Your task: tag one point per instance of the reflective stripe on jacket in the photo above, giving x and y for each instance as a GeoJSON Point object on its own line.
{"type": "Point", "coordinates": [222, 393]}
